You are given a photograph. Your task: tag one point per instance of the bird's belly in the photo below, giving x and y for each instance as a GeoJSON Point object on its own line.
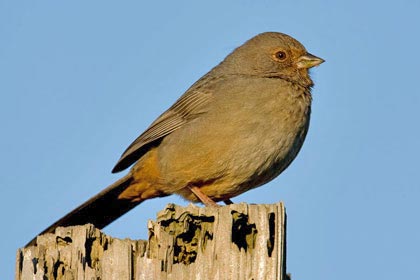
{"type": "Point", "coordinates": [245, 161]}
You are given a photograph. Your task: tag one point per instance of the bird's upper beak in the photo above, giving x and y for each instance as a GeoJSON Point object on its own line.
{"type": "Point", "coordinates": [309, 60]}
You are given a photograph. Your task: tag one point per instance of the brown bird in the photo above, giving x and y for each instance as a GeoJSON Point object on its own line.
{"type": "Point", "coordinates": [236, 128]}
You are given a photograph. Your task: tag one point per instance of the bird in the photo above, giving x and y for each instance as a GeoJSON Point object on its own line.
{"type": "Point", "coordinates": [235, 129]}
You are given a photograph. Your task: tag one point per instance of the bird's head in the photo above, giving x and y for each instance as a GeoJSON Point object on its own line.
{"type": "Point", "coordinates": [272, 55]}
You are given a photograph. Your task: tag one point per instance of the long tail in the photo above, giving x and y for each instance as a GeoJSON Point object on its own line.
{"type": "Point", "coordinates": [100, 210]}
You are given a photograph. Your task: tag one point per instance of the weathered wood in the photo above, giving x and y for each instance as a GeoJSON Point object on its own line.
{"type": "Point", "coordinates": [237, 241]}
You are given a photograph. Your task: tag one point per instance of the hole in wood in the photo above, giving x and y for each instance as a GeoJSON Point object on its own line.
{"type": "Point", "coordinates": [188, 231]}
{"type": "Point", "coordinates": [271, 232]}
{"type": "Point", "coordinates": [243, 232]}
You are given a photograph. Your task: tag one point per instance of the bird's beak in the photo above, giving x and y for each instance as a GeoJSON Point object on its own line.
{"type": "Point", "coordinates": [308, 60]}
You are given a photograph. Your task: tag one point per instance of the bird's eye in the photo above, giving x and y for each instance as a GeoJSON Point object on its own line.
{"type": "Point", "coordinates": [280, 55]}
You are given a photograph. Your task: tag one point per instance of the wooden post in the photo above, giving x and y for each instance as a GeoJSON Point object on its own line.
{"type": "Point", "coordinates": [238, 241]}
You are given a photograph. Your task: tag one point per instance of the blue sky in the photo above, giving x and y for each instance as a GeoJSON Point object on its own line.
{"type": "Point", "coordinates": [80, 80]}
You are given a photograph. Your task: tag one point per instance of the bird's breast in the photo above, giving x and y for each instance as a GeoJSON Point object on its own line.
{"type": "Point", "coordinates": [272, 137]}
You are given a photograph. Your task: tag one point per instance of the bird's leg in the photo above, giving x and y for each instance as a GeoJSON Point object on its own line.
{"type": "Point", "coordinates": [204, 198]}
{"type": "Point", "coordinates": [228, 201]}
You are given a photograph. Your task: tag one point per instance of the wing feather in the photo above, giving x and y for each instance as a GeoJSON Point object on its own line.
{"type": "Point", "coordinates": [188, 107]}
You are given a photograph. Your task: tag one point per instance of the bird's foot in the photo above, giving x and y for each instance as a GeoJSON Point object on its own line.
{"type": "Point", "coordinates": [202, 197]}
{"type": "Point", "coordinates": [228, 201]}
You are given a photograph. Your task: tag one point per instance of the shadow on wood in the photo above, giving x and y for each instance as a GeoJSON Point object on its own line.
{"type": "Point", "coordinates": [238, 241]}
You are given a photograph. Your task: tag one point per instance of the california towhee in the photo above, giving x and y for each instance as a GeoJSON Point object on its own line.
{"type": "Point", "coordinates": [236, 128]}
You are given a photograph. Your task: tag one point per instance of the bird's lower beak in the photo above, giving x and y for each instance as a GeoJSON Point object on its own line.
{"type": "Point", "coordinates": [308, 61]}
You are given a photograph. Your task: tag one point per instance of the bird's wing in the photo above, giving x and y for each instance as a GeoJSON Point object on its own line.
{"type": "Point", "coordinates": [188, 107]}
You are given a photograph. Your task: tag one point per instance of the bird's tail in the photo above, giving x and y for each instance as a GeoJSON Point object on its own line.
{"type": "Point", "coordinates": [100, 210]}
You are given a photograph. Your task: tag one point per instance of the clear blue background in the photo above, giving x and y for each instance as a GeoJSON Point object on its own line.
{"type": "Point", "coordinates": [79, 80]}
